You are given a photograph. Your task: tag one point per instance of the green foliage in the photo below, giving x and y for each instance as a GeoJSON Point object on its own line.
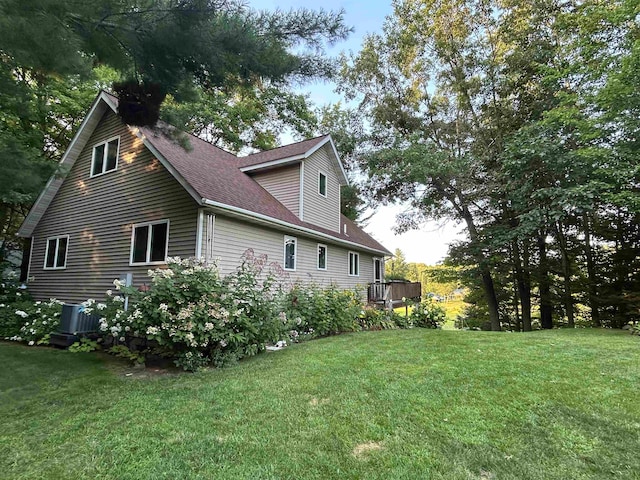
{"type": "Point", "coordinates": [191, 308]}
{"type": "Point", "coordinates": [84, 345]}
{"type": "Point", "coordinates": [427, 314]}
{"type": "Point", "coordinates": [313, 311]}
{"type": "Point", "coordinates": [122, 351]}
{"type": "Point", "coordinates": [37, 320]}
{"type": "Point", "coordinates": [396, 268]}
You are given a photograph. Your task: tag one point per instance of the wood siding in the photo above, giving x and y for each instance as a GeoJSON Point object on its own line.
{"type": "Point", "coordinates": [233, 238]}
{"type": "Point", "coordinates": [284, 185]}
{"type": "Point", "coordinates": [98, 213]}
{"type": "Point", "coordinates": [319, 210]}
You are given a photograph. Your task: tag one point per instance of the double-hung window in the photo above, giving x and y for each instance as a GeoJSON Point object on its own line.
{"type": "Point", "coordinates": [55, 257]}
{"type": "Point", "coordinates": [354, 264]}
{"type": "Point", "coordinates": [149, 242]}
{"type": "Point", "coordinates": [290, 251]}
{"type": "Point", "coordinates": [322, 184]}
{"type": "Point", "coordinates": [322, 257]}
{"type": "Point", "coordinates": [105, 157]}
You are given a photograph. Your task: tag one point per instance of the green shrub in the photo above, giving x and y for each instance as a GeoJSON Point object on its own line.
{"type": "Point", "coordinates": [195, 316]}
{"type": "Point", "coordinates": [37, 320]}
{"type": "Point", "coordinates": [427, 314]}
{"type": "Point", "coordinates": [311, 311]}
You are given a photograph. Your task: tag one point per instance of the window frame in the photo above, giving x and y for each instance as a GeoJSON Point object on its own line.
{"type": "Point", "coordinates": [55, 255]}
{"type": "Point", "coordinates": [326, 257]}
{"type": "Point", "coordinates": [288, 238]}
{"type": "Point", "coordinates": [326, 183]}
{"type": "Point", "coordinates": [149, 239]}
{"type": "Point", "coordinates": [104, 157]}
{"type": "Point", "coordinates": [356, 264]}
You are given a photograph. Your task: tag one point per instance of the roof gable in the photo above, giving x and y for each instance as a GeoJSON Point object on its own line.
{"type": "Point", "coordinates": [210, 175]}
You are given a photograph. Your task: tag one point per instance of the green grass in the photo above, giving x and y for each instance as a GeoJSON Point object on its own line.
{"type": "Point", "coordinates": [427, 403]}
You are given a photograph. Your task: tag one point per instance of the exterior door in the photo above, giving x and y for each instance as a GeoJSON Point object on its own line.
{"type": "Point", "coordinates": [378, 272]}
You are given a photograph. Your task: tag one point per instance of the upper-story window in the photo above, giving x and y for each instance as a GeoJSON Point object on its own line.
{"type": "Point", "coordinates": [149, 242]}
{"type": "Point", "coordinates": [105, 157]}
{"type": "Point", "coordinates": [56, 255]}
{"type": "Point", "coordinates": [322, 184]}
{"type": "Point", "coordinates": [290, 250]}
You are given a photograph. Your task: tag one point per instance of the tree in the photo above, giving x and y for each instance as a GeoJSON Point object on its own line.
{"type": "Point", "coordinates": [219, 62]}
{"type": "Point", "coordinates": [396, 267]}
{"type": "Point", "coordinates": [168, 46]}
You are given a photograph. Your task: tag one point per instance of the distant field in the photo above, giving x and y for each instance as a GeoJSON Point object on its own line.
{"type": "Point", "coordinates": [452, 307]}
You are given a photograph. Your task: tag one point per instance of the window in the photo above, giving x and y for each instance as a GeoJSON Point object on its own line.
{"type": "Point", "coordinates": [105, 157]}
{"type": "Point", "coordinates": [322, 184]}
{"type": "Point", "coordinates": [354, 264]}
{"type": "Point", "coordinates": [56, 255]}
{"type": "Point", "coordinates": [290, 247]}
{"type": "Point", "coordinates": [149, 242]}
{"type": "Point", "coordinates": [322, 257]}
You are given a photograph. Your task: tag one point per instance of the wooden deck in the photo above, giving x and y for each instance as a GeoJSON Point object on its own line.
{"type": "Point", "coordinates": [391, 294]}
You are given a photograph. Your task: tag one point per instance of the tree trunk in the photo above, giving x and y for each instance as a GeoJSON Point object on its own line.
{"type": "Point", "coordinates": [485, 273]}
{"type": "Point", "coordinates": [546, 307]}
{"type": "Point", "coordinates": [591, 273]}
{"type": "Point", "coordinates": [566, 274]}
{"type": "Point", "coordinates": [523, 277]}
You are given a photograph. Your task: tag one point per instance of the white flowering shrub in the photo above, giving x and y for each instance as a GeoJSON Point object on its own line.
{"type": "Point", "coordinates": [197, 317]}
{"type": "Point", "coordinates": [36, 320]}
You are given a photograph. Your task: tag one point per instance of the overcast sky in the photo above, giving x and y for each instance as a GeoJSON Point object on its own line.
{"type": "Point", "coordinates": [429, 244]}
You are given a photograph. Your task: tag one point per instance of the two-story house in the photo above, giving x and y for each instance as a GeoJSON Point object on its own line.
{"type": "Point", "coordinates": [133, 196]}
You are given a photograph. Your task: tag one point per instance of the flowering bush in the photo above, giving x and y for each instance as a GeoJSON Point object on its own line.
{"type": "Point", "coordinates": [311, 311]}
{"type": "Point", "coordinates": [372, 318]}
{"type": "Point", "coordinates": [195, 316]}
{"type": "Point", "coordinates": [36, 320]}
{"type": "Point", "coordinates": [427, 314]}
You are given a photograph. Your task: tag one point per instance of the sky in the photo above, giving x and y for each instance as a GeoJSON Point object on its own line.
{"type": "Point", "coordinates": [430, 243]}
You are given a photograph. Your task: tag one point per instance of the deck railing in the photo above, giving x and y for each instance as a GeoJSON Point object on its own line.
{"type": "Point", "coordinates": [393, 292]}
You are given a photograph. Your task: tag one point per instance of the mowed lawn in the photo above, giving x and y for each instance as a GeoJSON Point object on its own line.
{"type": "Point", "coordinates": [412, 404]}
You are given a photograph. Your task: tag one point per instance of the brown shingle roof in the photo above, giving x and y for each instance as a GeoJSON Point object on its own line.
{"type": "Point", "coordinates": [286, 151]}
{"type": "Point", "coordinates": [215, 175]}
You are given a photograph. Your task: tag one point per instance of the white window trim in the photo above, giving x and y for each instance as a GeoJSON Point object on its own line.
{"type": "Point", "coordinates": [148, 250]}
{"type": "Point", "coordinates": [295, 253]}
{"type": "Point", "coordinates": [104, 158]}
{"type": "Point", "coordinates": [326, 183]}
{"type": "Point", "coordinates": [326, 257]}
{"type": "Point", "coordinates": [357, 257]}
{"type": "Point", "coordinates": [381, 279]}
{"type": "Point", "coordinates": [55, 256]}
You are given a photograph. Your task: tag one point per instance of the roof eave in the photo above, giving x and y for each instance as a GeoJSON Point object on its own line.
{"type": "Point", "coordinates": [264, 219]}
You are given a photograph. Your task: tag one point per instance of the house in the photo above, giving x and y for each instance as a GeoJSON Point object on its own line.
{"type": "Point", "coordinates": [132, 196]}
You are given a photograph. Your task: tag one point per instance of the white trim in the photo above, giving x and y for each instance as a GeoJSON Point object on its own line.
{"type": "Point", "coordinates": [288, 238]}
{"type": "Point", "coordinates": [381, 260]}
{"type": "Point", "coordinates": [307, 154]}
{"type": "Point", "coordinates": [33, 239]}
{"type": "Point", "coordinates": [148, 249]}
{"type": "Point", "coordinates": [326, 257]}
{"type": "Point", "coordinates": [211, 228]}
{"type": "Point", "coordinates": [321, 174]}
{"type": "Point", "coordinates": [274, 221]}
{"type": "Point", "coordinates": [357, 263]}
{"type": "Point", "coordinates": [273, 163]}
{"type": "Point", "coordinates": [55, 254]}
{"type": "Point", "coordinates": [199, 227]}
{"type": "Point", "coordinates": [301, 191]}
{"type": "Point", "coordinates": [104, 157]}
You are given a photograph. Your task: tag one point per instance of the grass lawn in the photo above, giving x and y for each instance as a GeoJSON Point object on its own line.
{"type": "Point", "coordinates": [400, 404]}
